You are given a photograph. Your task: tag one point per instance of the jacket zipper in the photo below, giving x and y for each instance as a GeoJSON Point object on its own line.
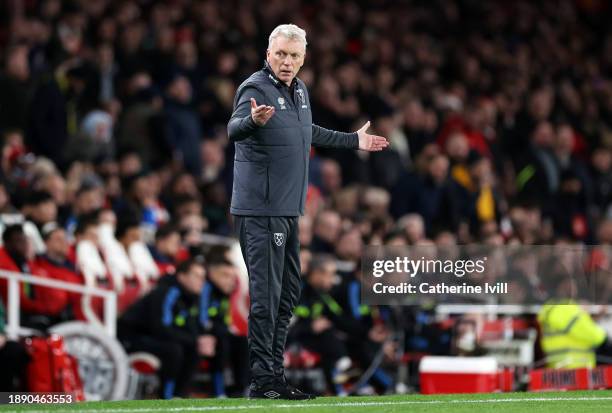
{"type": "Point", "coordinates": [305, 155]}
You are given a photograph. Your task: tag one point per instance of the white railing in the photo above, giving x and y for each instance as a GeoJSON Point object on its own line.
{"type": "Point", "coordinates": [13, 327]}
{"type": "Point", "coordinates": [493, 310]}
{"type": "Point", "coordinates": [214, 239]}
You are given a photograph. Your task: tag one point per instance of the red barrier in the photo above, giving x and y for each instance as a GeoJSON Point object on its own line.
{"type": "Point", "coordinates": [571, 379]}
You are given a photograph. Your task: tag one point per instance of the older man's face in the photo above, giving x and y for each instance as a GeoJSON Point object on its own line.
{"type": "Point", "coordinates": [286, 57]}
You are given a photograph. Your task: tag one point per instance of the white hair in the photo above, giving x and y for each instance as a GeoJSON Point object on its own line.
{"type": "Point", "coordinates": [288, 31]}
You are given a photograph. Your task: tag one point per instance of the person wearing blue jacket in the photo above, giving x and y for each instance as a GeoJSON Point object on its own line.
{"type": "Point", "coordinates": [272, 130]}
{"type": "Point", "coordinates": [167, 322]}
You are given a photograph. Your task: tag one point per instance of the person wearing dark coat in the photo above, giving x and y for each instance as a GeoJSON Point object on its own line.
{"type": "Point", "coordinates": [183, 128]}
{"type": "Point", "coordinates": [272, 131]}
{"type": "Point", "coordinates": [365, 326]}
{"type": "Point", "coordinates": [167, 323]}
{"type": "Point", "coordinates": [318, 316]}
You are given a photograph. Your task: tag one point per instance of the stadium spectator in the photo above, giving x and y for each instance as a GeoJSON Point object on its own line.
{"type": "Point", "coordinates": [216, 322]}
{"type": "Point", "coordinates": [56, 264]}
{"type": "Point", "coordinates": [89, 198]}
{"type": "Point", "coordinates": [366, 328]}
{"type": "Point", "coordinates": [166, 323]}
{"type": "Point", "coordinates": [184, 128]}
{"type": "Point", "coordinates": [39, 209]}
{"type": "Point", "coordinates": [141, 191]}
{"type": "Point", "coordinates": [16, 81]}
{"type": "Point", "coordinates": [55, 185]}
{"type": "Point", "coordinates": [327, 226]}
{"type": "Point", "coordinates": [316, 328]}
{"type": "Point", "coordinates": [40, 306]}
{"type": "Point", "coordinates": [118, 258]}
{"type": "Point", "coordinates": [166, 248]}
{"type": "Point", "coordinates": [13, 358]}
{"type": "Point", "coordinates": [91, 266]}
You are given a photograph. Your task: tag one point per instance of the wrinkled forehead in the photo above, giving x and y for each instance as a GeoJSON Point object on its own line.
{"type": "Point", "coordinates": [287, 45]}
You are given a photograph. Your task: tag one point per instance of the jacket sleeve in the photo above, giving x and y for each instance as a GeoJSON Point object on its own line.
{"type": "Point", "coordinates": [584, 328]}
{"type": "Point", "coordinates": [46, 301]}
{"type": "Point", "coordinates": [350, 319]}
{"type": "Point", "coordinates": [301, 327]}
{"type": "Point", "coordinates": [163, 318]}
{"type": "Point", "coordinates": [241, 124]}
{"type": "Point", "coordinates": [334, 139]}
{"type": "Point", "coordinates": [303, 320]}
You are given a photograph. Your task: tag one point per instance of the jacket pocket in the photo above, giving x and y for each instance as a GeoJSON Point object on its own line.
{"type": "Point", "coordinates": [251, 185]}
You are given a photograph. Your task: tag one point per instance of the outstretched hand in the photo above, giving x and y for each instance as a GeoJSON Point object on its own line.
{"type": "Point", "coordinates": [261, 114]}
{"type": "Point", "coordinates": [370, 143]}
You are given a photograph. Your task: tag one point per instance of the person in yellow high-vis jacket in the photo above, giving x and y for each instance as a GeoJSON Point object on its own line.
{"type": "Point", "coordinates": [570, 337]}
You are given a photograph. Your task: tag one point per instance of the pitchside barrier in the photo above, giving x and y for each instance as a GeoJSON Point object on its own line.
{"type": "Point", "coordinates": [494, 310]}
{"type": "Point", "coordinates": [571, 379]}
{"type": "Point", "coordinates": [13, 326]}
{"type": "Point", "coordinates": [103, 365]}
{"type": "Point", "coordinates": [14, 329]}
{"type": "Point", "coordinates": [447, 375]}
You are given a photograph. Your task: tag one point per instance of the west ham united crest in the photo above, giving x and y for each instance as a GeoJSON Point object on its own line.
{"type": "Point", "coordinates": [279, 238]}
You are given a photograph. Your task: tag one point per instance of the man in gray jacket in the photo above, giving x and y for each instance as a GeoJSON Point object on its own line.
{"type": "Point", "coordinates": [272, 130]}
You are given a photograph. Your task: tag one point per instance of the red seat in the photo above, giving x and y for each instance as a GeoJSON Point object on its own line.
{"type": "Point", "coordinates": [301, 358]}
{"type": "Point", "coordinates": [144, 363]}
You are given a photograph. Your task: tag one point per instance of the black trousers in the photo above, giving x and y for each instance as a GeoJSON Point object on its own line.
{"type": "Point", "coordinates": [271, 250]}
{"type": "Point", "coordinates": [239, 363]}
{"type": "Point", "coordinates": [331, 349]}
{"type": "Point", "coordinates": [13, 358]}
{"type": "Point", "coordinates": [178, 361]}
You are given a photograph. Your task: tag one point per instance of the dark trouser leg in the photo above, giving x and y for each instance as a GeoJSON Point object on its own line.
{"type": "Point", "coordinates": [13, 359]}
{"type": "Point", "coordinates": [177, 362]}
{"type": "Point", "coordinates": [218, 363]}
{"type": "Point", "coordinates": [239, 362]}
{"type": "Point", "coordinates": [365, 350]}
{"type": "Point", "coordinates": [186, 371]}
{"type": "Point", "coordinates": [330, 348]}
{"type": "Point", "coordinates": [290, 294]}
{"type": "Point", "coordinates": [263, 248]}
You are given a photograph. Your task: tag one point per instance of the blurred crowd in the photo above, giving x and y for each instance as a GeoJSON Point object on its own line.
{"type": "Point", "coordinates": [115, 157]}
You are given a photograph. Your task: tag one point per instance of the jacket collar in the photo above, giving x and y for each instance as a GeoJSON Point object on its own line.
{"type": "Point", "coordinates": [55, 262]}
{"type": "Point", "coordinates": [275, 80]}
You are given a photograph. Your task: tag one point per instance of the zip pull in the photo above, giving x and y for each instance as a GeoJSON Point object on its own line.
{"type": "Point", "coordinates": [295, 103]}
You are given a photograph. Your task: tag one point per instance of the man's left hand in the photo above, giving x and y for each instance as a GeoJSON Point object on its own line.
{"type": "Point", "coordinates": [370, 143]}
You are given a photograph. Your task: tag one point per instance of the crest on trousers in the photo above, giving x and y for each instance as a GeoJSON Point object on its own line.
{"type": "Point", "coordinates": [279, 238]}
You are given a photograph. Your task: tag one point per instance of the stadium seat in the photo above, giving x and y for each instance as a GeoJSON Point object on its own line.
{"type": "Point", "coordinates": [144, 363]}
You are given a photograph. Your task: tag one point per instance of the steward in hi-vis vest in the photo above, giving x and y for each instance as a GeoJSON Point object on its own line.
{"type": "Point", "coordinates": [570, 337]}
